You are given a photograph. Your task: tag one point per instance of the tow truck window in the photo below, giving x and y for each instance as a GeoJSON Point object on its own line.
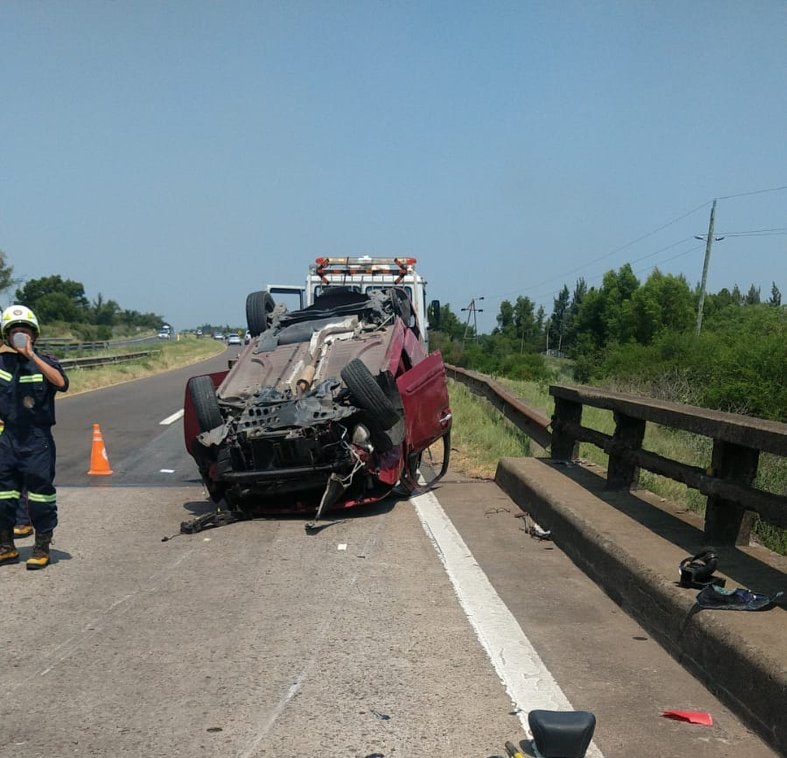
{"type": "Point", "coordinates": [319, 289]}
{"type": "Point", "coordinates": [376, 287]}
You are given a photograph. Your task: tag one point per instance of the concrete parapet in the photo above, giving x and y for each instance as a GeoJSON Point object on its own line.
{"type": "Point", "coordinates": [631, 545]}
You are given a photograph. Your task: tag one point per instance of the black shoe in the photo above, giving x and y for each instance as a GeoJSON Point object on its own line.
{"type": "Point", "coordinates": [8, 552]}
{"type": "Point", "coordinates": [23, 530]}
{"type": "Point", "coordinates": [40, 557]}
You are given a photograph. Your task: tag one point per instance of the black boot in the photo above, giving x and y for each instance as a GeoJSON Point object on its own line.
{"type": "Point", "coordinates": [8, 553]}
{"type": "Point", "coordinates": [40, 557]}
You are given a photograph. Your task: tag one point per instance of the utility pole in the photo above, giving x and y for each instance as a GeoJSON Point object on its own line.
{"type": "Point", "coordinates": [708, 242]}
{"type": "Point", "coordinates": [471, 311]}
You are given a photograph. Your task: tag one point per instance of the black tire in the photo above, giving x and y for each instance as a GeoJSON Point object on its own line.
{"type": "Point", "coordinates": [368, 395]}
{"type": "Point", "coordinates": [259, 306]}
{"type": "Point", "coordinates": [206, 406]}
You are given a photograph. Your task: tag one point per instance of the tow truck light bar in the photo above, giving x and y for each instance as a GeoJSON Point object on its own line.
{"type": "Point", "coordinates": [398, 267]}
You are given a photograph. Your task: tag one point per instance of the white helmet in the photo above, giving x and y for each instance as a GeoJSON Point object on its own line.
{"type": "Point", "coordinates": [18, 314]}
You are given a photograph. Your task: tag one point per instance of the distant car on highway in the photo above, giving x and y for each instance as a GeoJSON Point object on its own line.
{"type": "Point", "coordinates": [218, 336]}
{"type": "Point", "coordinates": [234, 339]}
{"type": "Point", "coordinates": [163, 335]}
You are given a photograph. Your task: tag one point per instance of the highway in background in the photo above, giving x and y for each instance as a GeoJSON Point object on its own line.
{"type": "Point", "coordinates": [414, 628]}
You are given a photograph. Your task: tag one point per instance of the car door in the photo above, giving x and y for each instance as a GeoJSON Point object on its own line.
{"type": "Point", "coordinates": [427, 413]}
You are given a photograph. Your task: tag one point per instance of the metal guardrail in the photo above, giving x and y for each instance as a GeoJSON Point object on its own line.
{"type": "Point", "coordinates": [727, 480]}
{"type": "Point", "coordinates": [94, 361]}
{"type": "Point", "coordinates": [529, 421]}
{"type": "Point", "coordinates": [60, 345]}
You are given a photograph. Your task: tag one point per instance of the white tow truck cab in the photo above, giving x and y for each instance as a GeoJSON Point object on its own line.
{"type": "Point", "coordinates": [361, 274]}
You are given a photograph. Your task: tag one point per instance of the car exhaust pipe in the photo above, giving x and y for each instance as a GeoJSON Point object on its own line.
{"type": "Point", "coordinates": [304, 381]}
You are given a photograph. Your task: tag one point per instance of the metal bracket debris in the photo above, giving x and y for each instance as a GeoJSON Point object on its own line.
{"type": "Point", "coordinates": [533, 529]}
{"type": "Point", "coordinates": [211, 521]}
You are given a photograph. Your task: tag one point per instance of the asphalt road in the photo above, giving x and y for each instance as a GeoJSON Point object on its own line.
{"type": "Point", "coordinates": [416, 628]}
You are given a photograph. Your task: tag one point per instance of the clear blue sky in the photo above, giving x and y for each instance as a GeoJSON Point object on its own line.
{"type": "Point", "coordinates": [176, 155]}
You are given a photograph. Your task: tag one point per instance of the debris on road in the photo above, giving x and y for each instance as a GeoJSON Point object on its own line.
{"type": "Point", "coordinates": [533, 529]}
{"type": "Point", "coordinates": [739, 599]}
{"type": "Point", "coordinates": [693, 717]}
{"type": "Point", "coordinates": [697, 570]}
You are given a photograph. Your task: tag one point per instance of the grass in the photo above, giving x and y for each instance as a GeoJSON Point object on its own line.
{"type": "Point", "coordinates": [166, 356]}
{"type": "Point", "coordinates": [481, 436]}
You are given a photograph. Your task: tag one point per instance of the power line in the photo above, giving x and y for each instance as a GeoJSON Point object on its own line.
{"type": "Point", "coordinates": [755, 192]}
{"type": "Point", "coordinates": [757, 233]}
{"type": "Point", "coordinates": [622, 247]}
{"type": "Point", "coordinates": [637, 260]}
{"type": "Point", "coordinates": [753, 233]}
{"type": "Point", "coordinates": [636, 272]}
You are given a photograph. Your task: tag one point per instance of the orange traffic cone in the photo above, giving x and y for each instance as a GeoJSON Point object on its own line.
{"type": "Point", "coordinates": [99, 462]}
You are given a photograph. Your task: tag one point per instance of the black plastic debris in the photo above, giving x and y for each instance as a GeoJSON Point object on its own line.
{"type": "Point", "coordinates": [739, 599]}
{"type": "Point", "coordinates": [697, 570]}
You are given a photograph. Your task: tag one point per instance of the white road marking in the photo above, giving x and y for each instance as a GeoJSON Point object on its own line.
{"type": "Point", "coordinates": [166, 471]}
{"type": "Point", "coordinates": [171, 419]}
{"type": "Point", "coordinates": [527, 680]}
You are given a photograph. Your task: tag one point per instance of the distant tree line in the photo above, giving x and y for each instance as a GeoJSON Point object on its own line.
{"type": "Point", "coordinates": [641, 337]}
{"type": "Point", "coordinates": [63, 308]}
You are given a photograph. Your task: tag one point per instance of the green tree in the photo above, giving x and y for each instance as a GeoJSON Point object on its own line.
{"type": "Point", "coordinates": [753, 296]}
{"type": "Point", "coordinates": [55, 298]}
{"type": "Point", "coordinates": [663, 302]}
{"type": "Point", "coordinates": [104, 312]}
{"type": "Point", "coordinates": [505, 320]}
{"type": "Point", "coordinates": [56, 306]}
{"type": "Point", "coordinates": [569, 339]}
{"type": "Point", "coordinates": [560, 316]}
{"type": "Point", "coordinates": [602, 313]}
{"type": "Point", "coordinates": [450, 324]}
{"type": "Point", "coordinates": [776, 296]}
{"type": "Point", "coordinates": [526, 327]}
{"type": "Point", "coordinates": [6, 273]}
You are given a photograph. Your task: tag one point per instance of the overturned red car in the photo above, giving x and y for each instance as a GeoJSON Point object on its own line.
{"type": "Point", "coordinates": [327, 407]}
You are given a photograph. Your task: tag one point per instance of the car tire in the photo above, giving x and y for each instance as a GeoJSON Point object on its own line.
{"type": "Point", "coordinates": [206, 406]}
{"type": "Point", "coordinates": [259, 306]}
{"type": "Point", "coordinates": [368, 395]}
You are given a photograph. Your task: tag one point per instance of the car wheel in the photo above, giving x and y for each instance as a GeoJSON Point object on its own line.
{"type": "Point", "coordinates": [206, 406]}
{"type": "Point", "coordinates": [259, 306]}
{"type": "Point", "coordinates": [368, 395]}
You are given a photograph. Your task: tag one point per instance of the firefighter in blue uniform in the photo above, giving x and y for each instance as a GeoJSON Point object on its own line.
{"type": "Point", "coordinates": [28, 382]}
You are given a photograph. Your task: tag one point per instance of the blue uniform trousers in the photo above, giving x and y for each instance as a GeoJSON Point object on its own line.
{"type": "Point", "coordinates": [27, 463]}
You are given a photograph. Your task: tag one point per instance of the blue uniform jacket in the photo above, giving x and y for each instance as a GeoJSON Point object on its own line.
{"type": "Point", "coordinates": [27, 399]}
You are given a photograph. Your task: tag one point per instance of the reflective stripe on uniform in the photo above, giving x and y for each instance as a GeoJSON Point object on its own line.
{"type": "Point", "coordinates": [9, 495]}
{"type": "Point", "coordinates": [31, 378]}
{"type": "Point", "coordinates": [40, 498]}
{"type": "Point", "coordinates": [5, 375]}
